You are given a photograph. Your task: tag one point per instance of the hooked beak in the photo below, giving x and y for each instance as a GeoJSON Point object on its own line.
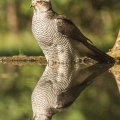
{"type": "Point", "coordinates": [32, 4]}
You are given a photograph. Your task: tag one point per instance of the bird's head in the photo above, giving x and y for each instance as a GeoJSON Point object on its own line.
{"type": "Point", "coordinates": [41, 5]}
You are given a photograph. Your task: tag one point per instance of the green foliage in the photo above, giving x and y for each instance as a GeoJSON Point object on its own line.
{"type": "Point", "coordinates": [16, 86]}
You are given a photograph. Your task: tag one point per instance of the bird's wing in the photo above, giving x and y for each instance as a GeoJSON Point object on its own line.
{"type": "Point", "coordinates": [69, 29]}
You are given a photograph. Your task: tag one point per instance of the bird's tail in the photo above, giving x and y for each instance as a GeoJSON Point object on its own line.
{"type": "Point", "coordinates": [94, 53]}
{"type": "Point", "coordinates": [98, 54]}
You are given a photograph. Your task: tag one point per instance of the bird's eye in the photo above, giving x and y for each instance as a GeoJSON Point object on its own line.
{"type": "Point", "coordinates": [40, 2]}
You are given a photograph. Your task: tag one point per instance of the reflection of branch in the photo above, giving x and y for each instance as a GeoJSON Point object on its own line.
{"type": "Point", "coordinates": [115, 70]}
{"type": "Point", "coordinates": [39, 60]}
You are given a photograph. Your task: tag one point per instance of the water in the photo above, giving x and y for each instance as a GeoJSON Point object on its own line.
{"type": "Point", "coordinates": [76, 92]}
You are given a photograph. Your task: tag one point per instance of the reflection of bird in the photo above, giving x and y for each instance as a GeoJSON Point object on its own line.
{"type": "Point", "coordinates": [58, 36]}
{"type": "Point", "coordinates": [59, 87]}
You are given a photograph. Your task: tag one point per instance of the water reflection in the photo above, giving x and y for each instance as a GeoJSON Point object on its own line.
{"type": "Point", "coordinates": [64, 84]}
{"type": "Point", "coordinates": [16, 86]}
{"type": "Point", "coordinates": [60, 86]}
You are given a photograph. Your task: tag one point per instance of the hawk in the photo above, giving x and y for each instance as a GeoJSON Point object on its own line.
{"type": "Point", "coordinates": [59, 38]}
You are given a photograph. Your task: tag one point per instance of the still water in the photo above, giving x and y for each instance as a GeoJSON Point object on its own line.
{"type": "Point", "coordinates": [68, 92]}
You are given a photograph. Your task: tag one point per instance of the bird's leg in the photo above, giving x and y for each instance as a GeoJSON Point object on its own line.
{"type": "Point", "coordinates": [64, 55]}
{"type": "Point", "coordinates": [51, 56]}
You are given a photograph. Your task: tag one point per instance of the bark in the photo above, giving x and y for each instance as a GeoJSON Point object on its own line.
{"type": "Point", "coordinates": [11, 16]}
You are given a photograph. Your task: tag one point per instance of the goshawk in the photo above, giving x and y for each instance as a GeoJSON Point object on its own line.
{"type": "Point", "coordinates": [59, 38]}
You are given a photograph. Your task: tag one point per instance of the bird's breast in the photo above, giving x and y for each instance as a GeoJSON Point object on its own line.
{"type": "Point", "coordinates": [44, 30]}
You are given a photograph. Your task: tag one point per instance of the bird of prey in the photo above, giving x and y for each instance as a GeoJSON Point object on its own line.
{"type": "Point", "coordinates": [59, 38]}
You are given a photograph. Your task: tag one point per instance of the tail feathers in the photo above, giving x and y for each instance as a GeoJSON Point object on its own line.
{"type": "Point", "coordinates": [98, 54]}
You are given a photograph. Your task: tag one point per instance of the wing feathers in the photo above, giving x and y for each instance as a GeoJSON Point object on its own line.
{"type": "Point", "coordinates": [68, 28]}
